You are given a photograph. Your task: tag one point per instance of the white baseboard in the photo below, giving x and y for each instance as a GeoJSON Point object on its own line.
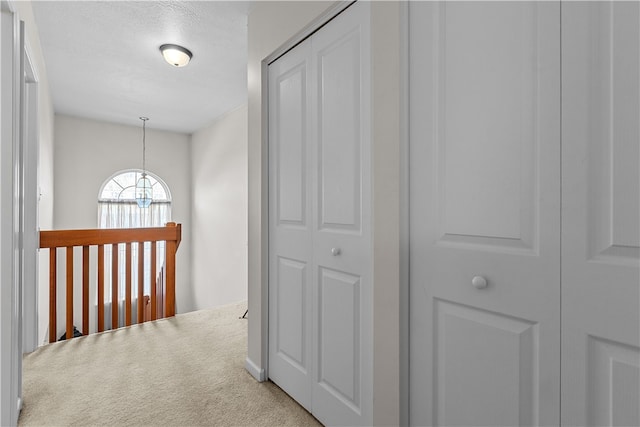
{"type": "Point", "coordinates": [253, 369]}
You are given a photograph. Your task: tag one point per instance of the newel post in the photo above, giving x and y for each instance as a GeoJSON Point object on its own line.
{"type": "Point", "coordinates": [172, 247]}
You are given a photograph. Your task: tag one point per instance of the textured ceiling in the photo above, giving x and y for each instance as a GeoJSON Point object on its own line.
{"type": "Point", "coordinates": [103, 60]}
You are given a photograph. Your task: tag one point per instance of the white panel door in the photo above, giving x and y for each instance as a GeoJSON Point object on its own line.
{"type": "Point", "coordinates": [343, 298]}
{"type": "Point", "coordinates": [485, 213]}
{"type": "Point", "coordinates": [11, 85]}
{"type": "Point", "coordinates": [601, 213]}
{"type": "Point", "coordinates": [320, 293]}
{"type": "Point", "coordinates": [290, 224]}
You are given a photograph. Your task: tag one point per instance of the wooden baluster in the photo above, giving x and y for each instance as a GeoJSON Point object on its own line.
{"type": "Point", "coordinates": [127, 308]}
{"type": "Point", "coordinates": [100, 288]}
{"type": "Point", "coordinates": [140, 282]}
{"type": "Point", "coordinates": [154, 281]}
{"type": "Point", "coordinates": [53, 304]}
{"type": "Point", "coordinates": [162, 289]}
{"type": "Point", "coordinates": [160, 293]}
{"type": "Point", "coordinates": [170, 270]}
{"type": "Point", "coordinates": [114, 286]}
{"type": "Point", "coordinates": [85, 290]}
{"type": "Point", "coordinates": [69, 292]}
{"type": "Point", "coordinates": [147, 308]}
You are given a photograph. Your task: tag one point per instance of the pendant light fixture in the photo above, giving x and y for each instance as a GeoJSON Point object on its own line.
{"type": "Point", "coordinates": [144, 192]}
{"type": "Point", "coordinates": [176, 55]}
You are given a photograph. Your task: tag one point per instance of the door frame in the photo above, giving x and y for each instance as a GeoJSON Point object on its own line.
{"type": "Point", "coordinates": [306, 32]}
{"type": "Point", "coordinates": [390, 204]}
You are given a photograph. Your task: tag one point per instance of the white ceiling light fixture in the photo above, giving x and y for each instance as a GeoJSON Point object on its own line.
{"type": "Point", "coordinates": [175, 55]}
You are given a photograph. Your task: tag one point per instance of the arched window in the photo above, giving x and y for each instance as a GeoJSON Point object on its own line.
{"type": "Point", "coordinates": [118, 208]}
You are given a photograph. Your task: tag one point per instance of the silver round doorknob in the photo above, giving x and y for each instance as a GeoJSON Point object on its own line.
{"type": "Point", "coordinates": [479, 282]}
{"type": "Point", "coordinates": [335, 251]}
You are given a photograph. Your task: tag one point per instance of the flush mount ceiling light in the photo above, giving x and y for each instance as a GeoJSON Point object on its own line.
{"type": "Point", "coordinates": [175, 55]}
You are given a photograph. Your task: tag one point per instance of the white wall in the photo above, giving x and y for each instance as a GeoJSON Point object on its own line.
{"type": "Point", "coordinates": [88, 152]}
{"type": "Point", "coordinates": [271, 24]}
{"type": "Point", "coordinates": [219, 211]}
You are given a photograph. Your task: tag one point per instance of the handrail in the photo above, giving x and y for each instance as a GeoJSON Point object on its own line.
{"type": "Point", "coordinates": [53, 239]}
{"type": "Point", "coordinates": [105, 236]}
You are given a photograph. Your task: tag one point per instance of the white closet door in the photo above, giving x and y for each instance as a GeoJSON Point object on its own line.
{"type": "Point", "coordinates": [11, 205]}
{"type": "Point", "coordinates": [342, 386]}
{"type": "Point", "coordinates": [290, 224]}
{"type": "Point", "coordinates": [320, 290]}
{"type": "Point", "coordinates": [485, 213]}
{"type": "Point", "coordinates": [601, 213]}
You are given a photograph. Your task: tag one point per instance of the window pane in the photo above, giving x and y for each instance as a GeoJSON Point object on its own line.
{"type": "Point", "coordinates": [111, 190]}
{"type": "Point", "coordinates": [126, 179]}
{"type": "Point", "coordinates": [128, 193]}
{"type": "Point", "coordinates": [158, 191]}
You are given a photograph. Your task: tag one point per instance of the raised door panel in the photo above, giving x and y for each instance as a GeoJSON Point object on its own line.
{"type": "Point", "coordinates": [291, 288]}
{"type": "Point", "coordinates": [498, 372]}
{"type": "Point", "coordinates": [339, 134]}
{"type": "Point", "coordinates": [339, 336]}
{"type": "Point", "coordinates": [613, 383]}
{"type": "Point", "coordinates": [486, 123]}
{"type": "Point", "coordinates": [289, 148]}
{"type": "Point", "coordinates": [614, 132]}
{"type": "Point", "coordinates": [290, 252]}
{"type": "Point", "coordinates": [485, 202]}
{"type": "Point", "coordinates": [600, 211]}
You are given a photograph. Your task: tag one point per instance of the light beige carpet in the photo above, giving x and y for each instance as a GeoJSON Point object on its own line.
{"type": "Point", "coordinates": [183, 371]}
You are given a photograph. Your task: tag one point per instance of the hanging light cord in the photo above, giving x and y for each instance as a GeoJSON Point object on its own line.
{"type": "Point", "coordinates": [144, 145]}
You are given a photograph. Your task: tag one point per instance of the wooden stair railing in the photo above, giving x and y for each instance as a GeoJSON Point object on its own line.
{"type": "Point", "coordinates": [162, 299]}
{"type": "Point", "coordinates": [157, 310]}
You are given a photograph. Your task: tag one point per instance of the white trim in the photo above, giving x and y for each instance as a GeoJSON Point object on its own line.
{"type": "Point", "coordinates": [30, 213]}
{"type": "Point", "coordinates": [264, 223]}
{"type": "Point", "coordinates": [254, 370]}
{"type": "Point", "coordinates": [404, 215]}
{"type": "Point", "coordinates": [18, 207]}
